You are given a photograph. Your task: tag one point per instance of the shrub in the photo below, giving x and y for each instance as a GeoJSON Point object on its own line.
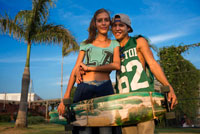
{"type": "Point", "coordinates": [36, 119]}
{"type": "Point", "coordinates": [5, 118]}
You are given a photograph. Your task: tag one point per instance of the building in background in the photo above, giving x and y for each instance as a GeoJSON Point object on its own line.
{"type": "Point", "coordinates": [16, 96]}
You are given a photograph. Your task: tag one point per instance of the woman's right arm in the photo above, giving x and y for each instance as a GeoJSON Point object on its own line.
{"type": "Point", "coordinates": [73, 75]}
{"type": "Point", "coordinates": [61, 107]}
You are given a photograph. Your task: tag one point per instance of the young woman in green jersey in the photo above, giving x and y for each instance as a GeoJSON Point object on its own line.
{"type": "Point", "coordinates": [98, 52]}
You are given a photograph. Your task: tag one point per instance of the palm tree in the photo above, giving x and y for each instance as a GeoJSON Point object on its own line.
{"type": "Point", "coordinates": [31, 26]}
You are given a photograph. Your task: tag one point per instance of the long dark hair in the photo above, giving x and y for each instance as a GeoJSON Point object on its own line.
{"type": "Point", "coordinates": [92, 28]}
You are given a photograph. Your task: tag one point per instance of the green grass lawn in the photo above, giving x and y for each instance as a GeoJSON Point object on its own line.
{"type": "Point", "coordinates": [47, 128]}
{"type": "Point", "coordinates": [8, 128]}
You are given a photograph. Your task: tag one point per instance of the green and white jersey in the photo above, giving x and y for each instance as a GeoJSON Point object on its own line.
{"type": "Point", "coordinates": [97, 56]}
{"type": "Point", "coordinates": [132, 77]}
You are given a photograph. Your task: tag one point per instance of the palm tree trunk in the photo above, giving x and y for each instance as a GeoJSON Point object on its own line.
{"type": "Point", "coordinates": [21, 121]}
{"type": "Point", "coordinates": [62, 79]}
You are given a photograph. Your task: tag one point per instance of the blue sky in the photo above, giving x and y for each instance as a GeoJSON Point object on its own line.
{"type": "Point", "coordinates": [164, 22]}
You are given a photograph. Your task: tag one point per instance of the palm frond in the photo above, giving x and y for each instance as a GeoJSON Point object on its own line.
{"type": "Point", "coordinates": [54, 34]}
{"type": "Point", "coordinates": [41, 10]}
{"type": "Point", "coordinates": [193, 45]}
{"type": "Point", "coordinates": [7, 25]}
{"type": "Point", "coordinates": [23, 17]}
{"type": "Point", "coordinates": [66, 48]}
{"type": "Point", "coordinates": [154, 47]}
{"type": "Point", "coordinates": [67, 51]}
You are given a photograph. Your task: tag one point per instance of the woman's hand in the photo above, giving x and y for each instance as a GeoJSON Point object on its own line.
{"type": "Point", "coordinates": [61, 108]}
{"type": "Point", "coordinates": [83, 67]}
{"type": "Point", "coordinates": [79, 73]}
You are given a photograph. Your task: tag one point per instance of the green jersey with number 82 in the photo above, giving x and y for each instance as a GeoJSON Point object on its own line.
{"type": "Point", "coordinates": [132, 76]}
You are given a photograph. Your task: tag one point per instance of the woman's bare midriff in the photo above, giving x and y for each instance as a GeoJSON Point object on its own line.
{"type": "Point", "coordinates": [98, 76]}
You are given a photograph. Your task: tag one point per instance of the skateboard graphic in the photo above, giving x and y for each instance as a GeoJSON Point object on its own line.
{"type": "Point", "coordinates": [115, 110]}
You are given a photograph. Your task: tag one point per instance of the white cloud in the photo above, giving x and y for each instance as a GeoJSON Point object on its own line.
{"type": "Point", "coordinates": [83, 19]}
{"type": "Point", "coordinates": [70, 59]}
{"type": "Point", "coordinates": [12, 60]}
{"type": "Point", "coordinates": [65, 80]}
{"type": "Point", "coordinates": [187, 27]}
{"type": "Point", "coordinates": [191, 24]}
{"type": "Point", "coordinates": [165, 37]}
{"type": "Point", "coordinates": [45, 59]}
{"type": "Point", "coordinates": [67, 59]}
{"type": "Point", "coordinates": [19, 60]}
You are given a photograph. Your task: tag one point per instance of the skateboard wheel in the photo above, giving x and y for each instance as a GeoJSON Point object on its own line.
{"type": "Point", "coordinates": [67, 101]}
{"type": "Point", "coordinates": [165, 89]}
{"type": "Point", "coordinates": [170, 115]}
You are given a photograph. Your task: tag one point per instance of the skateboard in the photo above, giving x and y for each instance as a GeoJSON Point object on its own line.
{"type": "Point", "coordinates": [115, 110]}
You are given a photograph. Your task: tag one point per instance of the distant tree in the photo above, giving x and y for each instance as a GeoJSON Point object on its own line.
{"type": "Point", "coordinates": [66, 51]}
{"type": "Point", "coordinates": [31, 26]}
{"type": "Point", "coordinates": [183, 76]}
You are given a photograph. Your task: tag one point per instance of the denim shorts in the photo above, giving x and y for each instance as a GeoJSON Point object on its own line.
{"type": "Point", "coordinates": [92, 89]}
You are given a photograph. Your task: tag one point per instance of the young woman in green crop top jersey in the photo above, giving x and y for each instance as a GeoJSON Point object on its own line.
{"type": "Point", "coordinates": [98, 56]}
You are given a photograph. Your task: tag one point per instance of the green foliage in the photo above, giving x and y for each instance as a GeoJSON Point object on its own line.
{"type": "Point", "coordinates": [183, 76]}
{"type": "Point", "coordinates": [5, 118]}
{"type": "Point", "coordinates": [43, 128]}
{"type": "Point", "coordinates": [119, 121]}
{"type": "Point", "coordinates": [31, 27]}
{"type": "Point", "coordinates": [67, 49]}
{"type": "Point", "coordinates": [35, 119]}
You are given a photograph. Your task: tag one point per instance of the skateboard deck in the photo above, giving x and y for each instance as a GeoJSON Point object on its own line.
{"type": "Point", "coordinates": [115, 110]}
